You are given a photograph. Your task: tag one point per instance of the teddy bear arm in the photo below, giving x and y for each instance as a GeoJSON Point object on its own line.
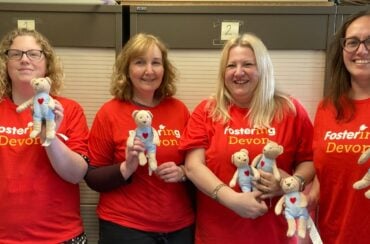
{"type": "Point", "coordinates": [279, 206]}
{"type": "Point", "coordinates": [24, 105]}
{"type": "Point", "coordinates": [256, 160]}
{"type": "Point", "coordinates": [155, 137]}
{"type": "Point", "coordinates": [276, 172]}
{"type": "Point", "coordinates": [256, 174]}
{"type": "Point", "coordinates": [233, 180]}
{"type": "Point", "coordinates": [51, 103]}
{"type": "Point", "coordinates": [304, 201]}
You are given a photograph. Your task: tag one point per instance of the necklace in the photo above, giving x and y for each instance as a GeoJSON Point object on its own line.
{"type": "Point", "coordinates": [141, 104]}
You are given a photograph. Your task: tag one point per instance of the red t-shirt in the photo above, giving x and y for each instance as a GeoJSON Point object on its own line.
{"type": "Point", "coordinates": [147, 203]}
{"type": "Point", "coordinates": [216, 224]}
{"type": "Point", "coordinates": [344, 213]}
{"type": "Point", "coordinates": [37, 206]}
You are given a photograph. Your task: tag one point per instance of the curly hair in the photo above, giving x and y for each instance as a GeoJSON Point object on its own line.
{"type": "Point", "coordinates": [121, 85]}
{"type": "Point", "coordinates": [53, 66]}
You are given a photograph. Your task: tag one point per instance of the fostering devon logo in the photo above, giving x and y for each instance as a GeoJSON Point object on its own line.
{"type": "Point", "coordinates": [13, 136]}
{"type": "Point", "coordinates": [255, 136]}
{"type": "Point", "coordinates": [340, 142]}
{"type": "Point", "coordinates": [168, 137]}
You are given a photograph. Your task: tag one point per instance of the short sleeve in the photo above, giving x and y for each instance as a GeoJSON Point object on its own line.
{"type": "Point", "coordinates": [304, 130]}
{"type": "Point", "coordinates": [197, 131]}
{"type": "Point", "coordinates": [73, 130]}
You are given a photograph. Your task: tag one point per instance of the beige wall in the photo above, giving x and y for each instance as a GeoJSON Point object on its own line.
{"type": "Point", "coordinates": [300, 73]}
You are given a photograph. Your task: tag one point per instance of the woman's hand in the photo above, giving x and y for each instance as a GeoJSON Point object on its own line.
{"type": "Point", "coordinates": [313, 194]}
{"type": "Point", "coordinates": [247, 204]}
{"type": "Point", "coordinates": [170, 172]}
{"type": "Point", "coordinates": [268, 185]}
{"type": "Point", "coordinates": [59, 114]}
{"type": "Point", "coordinates": [129, 166]}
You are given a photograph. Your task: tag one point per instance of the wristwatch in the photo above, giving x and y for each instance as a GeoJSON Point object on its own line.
{"type": "Point", "coordinates": [301, 182]}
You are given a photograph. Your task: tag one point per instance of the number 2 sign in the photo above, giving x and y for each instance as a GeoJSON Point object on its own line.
{"type": "Point", "coordinates": [229, 30]}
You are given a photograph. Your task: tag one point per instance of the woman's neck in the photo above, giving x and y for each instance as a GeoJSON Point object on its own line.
{"type": "Point", "coordinates": [360, 90]}
{"type": "Point", "coordinates": [20, 95]}
{"type": "Point", "coordinates": [149, 102]}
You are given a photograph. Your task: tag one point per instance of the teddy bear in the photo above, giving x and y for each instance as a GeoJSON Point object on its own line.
{"type": "Point", "coordinates": [148, 135]}
{"type": "Point", "coordinates": [365, 181]}
{"type": "Point", "coordinates": [244, 173]}
{"type": "Point", "coordinates": [294, 203]}
{"type": "Point", "coordinates": [266, 161]}
{"type": "Point", "coordinates": [42, 106]}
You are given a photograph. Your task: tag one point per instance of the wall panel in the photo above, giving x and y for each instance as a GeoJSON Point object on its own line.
{"type": "Point", "coordinates": [298, 72]}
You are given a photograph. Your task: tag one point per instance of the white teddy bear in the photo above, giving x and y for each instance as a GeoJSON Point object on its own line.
{"type": "Point", "coordinates": [294, 203]}
{"type": "Point", "coordinates": [244, 173]}
{"type": "Point", "coordinates": [43, 105]}
{"type": "Point", "coordinates": [266, 161]}
{"type": "Point", "coordinates": [365, 181]}
{"type": "Point", "coordinates": [148, 135]}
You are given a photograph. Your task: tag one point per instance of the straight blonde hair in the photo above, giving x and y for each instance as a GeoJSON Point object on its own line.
{"type": "Point", "coordinates": [267, 103]}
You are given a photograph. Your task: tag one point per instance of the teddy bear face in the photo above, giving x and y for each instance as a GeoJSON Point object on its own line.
{"type": "Point", "coordinates": [272, 150]}
{"type": "Point", "coordinates": [143, 118]}
{"type": "Point", "coordinates": [290, 184]}
{"type": "Point", "coordinates": [240, 158]}
{"type": "Point", "coordinates": [41, 84]}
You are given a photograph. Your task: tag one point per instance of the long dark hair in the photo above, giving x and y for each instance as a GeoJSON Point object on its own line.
{"type": "Point", "coordinates": [339, 77]}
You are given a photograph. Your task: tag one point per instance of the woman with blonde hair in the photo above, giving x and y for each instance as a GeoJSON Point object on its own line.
{"type": "Point", "coordinates": [38, 184]}
{"type": "Point", "coordinates": [246, 112]}
{"type": "Point", "coordinates": [136, 207]}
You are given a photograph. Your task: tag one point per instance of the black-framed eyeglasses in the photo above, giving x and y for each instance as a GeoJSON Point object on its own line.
{"type": "Point", "coordinates": [351, 44]}
{"type": "Point", "coordinates": [32, 54]}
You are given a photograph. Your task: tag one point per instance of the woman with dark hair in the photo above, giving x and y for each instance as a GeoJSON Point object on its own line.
{"type": "Point", "coordinates": [342, 134]}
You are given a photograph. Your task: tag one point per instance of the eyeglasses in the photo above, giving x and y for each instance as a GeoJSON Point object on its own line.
{"type": "Point", "coordinates": [351, 44]}
{"type": "Point", "coordinates": [32, 54]}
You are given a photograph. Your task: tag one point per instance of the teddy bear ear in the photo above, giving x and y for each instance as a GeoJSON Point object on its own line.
{"type": "Point", "coordinates": [282, 181]}
{"type": "Point", "coordinates": [48, 79]}
{"type": "Point", "coordinates": [134, 113]}
{"type": "Point", "coordinates": [150, 113]}
{"type": "Point", "coordinates": [244, 151]}
{"type": "Point", "coordinates": [281, 149]}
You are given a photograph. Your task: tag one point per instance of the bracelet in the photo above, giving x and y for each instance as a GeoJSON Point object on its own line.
{"type": "Point", "coordinates": [183, 178]}
{"type": "Point", "coordinates": [215, 191]}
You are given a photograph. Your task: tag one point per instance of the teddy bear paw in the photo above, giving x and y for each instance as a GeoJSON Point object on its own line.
{"type": "Point", "coordinates": [361, 184]}
{"type": "Point", "coordinates": [302, 231]}
{"type": "Point", "coordinates": [367, 194]}
{"type": "Point", "coordinates": [46, 143]}
{"type": "Point", "coordinates": [302, 234]}
{"type": "Point", "coordinates": [290, 232]}
{"type": "Point", "coordinates": [34, 133]}
{"type": "Point", "coordinates": [50, 135]}
{"type": "Point", "coordinates": [153, 164]}
{"type": "Point", "coordinates": [142, 159]}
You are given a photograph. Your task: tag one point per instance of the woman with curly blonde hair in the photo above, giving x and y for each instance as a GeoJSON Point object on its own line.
{"type": "Point", "coordinates": [39, 183]}
{"type": "Point", "coordinates": [53, 67]}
